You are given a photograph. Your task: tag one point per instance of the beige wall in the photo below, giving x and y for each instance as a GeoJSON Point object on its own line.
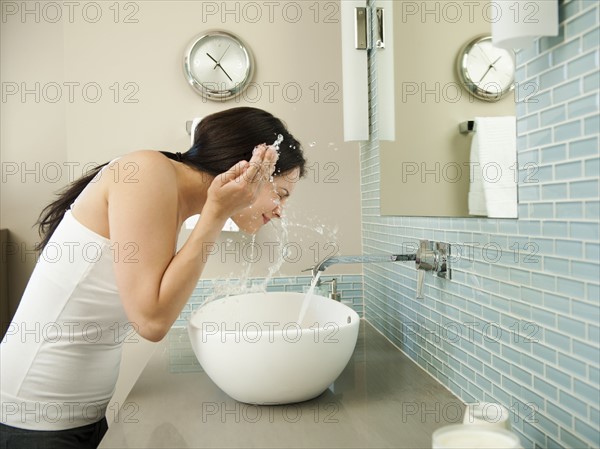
{"type": "Point", "coordinates": [141, 61]}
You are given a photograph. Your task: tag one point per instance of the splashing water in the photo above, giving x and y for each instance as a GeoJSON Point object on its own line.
{"type": "Point", "coordinates": [308, 297]}
{"type": "Point", "coordinates": [278, 142]}
{"type": "Point", "coordinates": [276, 146]}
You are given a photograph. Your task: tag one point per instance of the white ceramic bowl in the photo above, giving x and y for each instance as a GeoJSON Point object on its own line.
{"type": "Point", "coordinates": [253, 349]}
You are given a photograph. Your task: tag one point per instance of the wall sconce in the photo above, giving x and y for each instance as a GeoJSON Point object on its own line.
{"type": "Point", "coordinates": [355, 42]}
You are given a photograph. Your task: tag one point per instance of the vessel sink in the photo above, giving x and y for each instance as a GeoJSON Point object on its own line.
{"type": "Point", "coordinates": [253, 349]}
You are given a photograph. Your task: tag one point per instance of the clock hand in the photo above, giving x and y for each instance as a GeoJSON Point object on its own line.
{"type": "Point", "coordinates": [224, 53]}
{"type": "Point", "coordinates": [214, 60]}
{"type": "Point", "coordinates": [221, 67]}
{"type": "Point", "coordinates": [494, 63]}
{"type": "Point", "coordinates": [486, 72]}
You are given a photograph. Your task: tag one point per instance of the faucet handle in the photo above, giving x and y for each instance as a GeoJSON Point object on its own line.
{"type": "Point", "coordinates": [420, 280]}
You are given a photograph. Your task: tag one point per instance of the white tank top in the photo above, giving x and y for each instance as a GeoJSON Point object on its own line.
{"type": "Point", "coordinates": [60, 357]}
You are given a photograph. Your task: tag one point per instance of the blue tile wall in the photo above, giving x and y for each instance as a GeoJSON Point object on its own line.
{"type": "Point", "coordinates": [519, 322]}
{"type": "Point", "coordinates": [350, 286]}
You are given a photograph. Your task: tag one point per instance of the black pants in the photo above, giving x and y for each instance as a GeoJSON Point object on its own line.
{"type": "Point", "coordinates": [86, 437]}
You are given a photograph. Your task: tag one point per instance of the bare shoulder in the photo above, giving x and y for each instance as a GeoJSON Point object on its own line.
{"type": "Point", "coordinates": [143, 164]}
{"type": "Point", "coordinates": [142, 175]}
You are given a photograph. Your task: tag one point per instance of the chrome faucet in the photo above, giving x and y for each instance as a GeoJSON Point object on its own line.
{"type": "Point", "coordinates": [333, 260]}
{"type": "Point", "coordinates": [431, 256]}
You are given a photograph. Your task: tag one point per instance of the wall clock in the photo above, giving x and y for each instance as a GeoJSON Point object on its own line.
{"type": "Point", "coordinates": [485, 71]}
{"type": "Point", "coordinates": [218, 65]}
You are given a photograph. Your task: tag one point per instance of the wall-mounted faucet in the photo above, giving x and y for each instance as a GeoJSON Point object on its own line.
{"type": "Point", "coordinates": [431, 256]}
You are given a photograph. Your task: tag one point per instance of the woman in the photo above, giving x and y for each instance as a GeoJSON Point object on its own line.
{"type": "Point", "coordinates": [109, 263]}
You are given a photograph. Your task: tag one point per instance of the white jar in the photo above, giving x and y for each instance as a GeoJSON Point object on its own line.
{"type": "Point", "coordinates": [461, 436]}
{"type": "Point", "coordinates": [487, 413]}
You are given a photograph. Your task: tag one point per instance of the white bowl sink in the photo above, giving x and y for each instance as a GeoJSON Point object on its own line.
{"type": "Point", "coordinates": [253, 349]}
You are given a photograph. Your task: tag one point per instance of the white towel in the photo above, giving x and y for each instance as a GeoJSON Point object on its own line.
{"type": "Point", "coordinates": [493, 189]}
{"type": "Point", "coordinates": [195, 123]}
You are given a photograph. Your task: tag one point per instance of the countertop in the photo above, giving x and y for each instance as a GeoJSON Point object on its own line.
{"type": "Point", "coordinates": [382, 399]}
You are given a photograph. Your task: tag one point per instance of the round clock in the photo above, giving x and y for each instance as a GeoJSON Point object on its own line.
{"type": "Point", "coordinates": [485, 71]}
{"type": "Point", "coordinates": [218, 65]}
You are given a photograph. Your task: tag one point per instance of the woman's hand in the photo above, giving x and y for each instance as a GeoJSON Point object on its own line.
{"type": "Point", "coordinates": [238, 187]}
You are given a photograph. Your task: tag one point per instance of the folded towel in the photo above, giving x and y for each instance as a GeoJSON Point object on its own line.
{"type": "Point", "coordinates": [493, 189]}
{"type": "Point", "coordinates": [195, 122]}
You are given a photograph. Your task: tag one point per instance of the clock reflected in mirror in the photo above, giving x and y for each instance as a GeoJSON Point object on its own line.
{"type": "Point", "coordinates": [218, 65]}
{"type": "Point", "coordinates": [485, 71]}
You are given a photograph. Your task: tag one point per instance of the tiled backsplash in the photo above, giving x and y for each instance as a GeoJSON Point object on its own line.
{"type": "Point", "coordinates": [349, 285]}
{"type": "Point", "coordinates": [519, 322]}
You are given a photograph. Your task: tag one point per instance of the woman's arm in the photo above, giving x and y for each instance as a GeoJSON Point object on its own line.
{"type": "Point", "coordinates": [155, 283]}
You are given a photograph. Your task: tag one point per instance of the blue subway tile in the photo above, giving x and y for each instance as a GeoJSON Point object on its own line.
{"type": "Point", "coordinates": [592, 167]}
{"type": "Point", "coordinates": [568, 9]}
{"type": "Point", "coordinates": [591, 125]}
{"type": "Point", "coordinates": [571, 209]}
{"type": "Point", "coordinates": [543, 281]}
{"type": "Point", "coordinates": [593, 292]}
{"type": "Point", "coordinates": [537, 102]}
{"type": "Point", "coordinates": [539, 138]}
{"type": "Point", "coordinates": [557, 340]}
{"type": "Point", "coordinates": [583, 64]}
{"type": "Point", "coordinates": [554, 153]}
{"type": "Point", "coordinates": [586, 311]}
{"type": "Point", "coordinates": [586, 351]}
{"type": "Point", "coordinates": [571, 327]}
{"type": "Point", "coordinates": [558, 376]}
{"type": "Point", "coordinates": [594, 375]}
{"type": "Point", "coordinates": [583, 189]}
{"type": "Point", "coordinates": [558, 414]}
{"type": "Point", "coordinates": [546, 388]}
{"type": "Point", "coordinates": [591, 82]}
{"type": "Point", "coordinates": [570, 287]}
{"type": "Point", "coordinates": [583, 106]}
{"type": "Point", "coordinates": [539, 210]}
{"type": "Point", "coordinates": [572, 440]}
{"type": "Point", "coordinates": [566, 51]}
{"type": "Point", "coordinates": [543, 316]}
{"type": "Point", "coordinates": [528, 157]}
{"type": "Point", "coordinates": [572, 403]}
{"type": "Point", "coordinates": [592, 251]}
{"type": "Point", "coordinates": [584, 389]}
{"type": "Point", "coordinates": [555, 191]}
{"type": "Point", "coordinates": [567, 131]}
{"type": "Point", "coordinates": [528, 192]}
{"type": "Point", "coordinates": [584, 147]}
{"type": "Point", "coordinates": [580, 24]}
{"type": "Point", "coordinates": [552, 116]}
{"type": "Point", "coordinates": [568, 170]}
{"type": "Point", "coordinates": [569, 248]}
{"type": "Point", "coordinates": [590, 433]}
{"type": "Point", "coordinates": [555, 76]}
{"type": "Point", "coordinates": [590, 40]}
{"type": "Point", "coordinates": [554, 228]}
{"type": "Point", "coordinates": [557, 302]}
{"type": "Point", "coordinates": [556, 265]}
{"type": "Point", "coordinates": [584, 231]}
{"type": "Point", "coordinates": [538, 64]}
{"type": "Point", "coordinates": [525, 124]}
{"type": "Point", "coordinates": [585, 270]}
{"type": "Point", "coordinates": [567, 91]}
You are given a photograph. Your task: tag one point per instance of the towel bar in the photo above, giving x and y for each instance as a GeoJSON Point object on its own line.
{"type": "Point", "coordinates": [467, 127]}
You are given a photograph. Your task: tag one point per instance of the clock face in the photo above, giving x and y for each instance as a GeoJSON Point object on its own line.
{"type": "Point", "coordinates": [218, 65]}
{"type": "Point", "coordinates": [486, 71]}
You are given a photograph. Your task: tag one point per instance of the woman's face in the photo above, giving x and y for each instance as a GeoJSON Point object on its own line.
{"type": "Point", "coordinates": [269, 203]}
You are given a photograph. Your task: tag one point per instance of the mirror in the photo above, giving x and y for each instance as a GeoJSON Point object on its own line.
{"type": "Point", "coordinates": [426, 167]}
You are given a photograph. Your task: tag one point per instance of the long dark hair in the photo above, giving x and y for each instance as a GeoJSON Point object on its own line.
{"type": "Point", "coordinates": [221, 140]}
